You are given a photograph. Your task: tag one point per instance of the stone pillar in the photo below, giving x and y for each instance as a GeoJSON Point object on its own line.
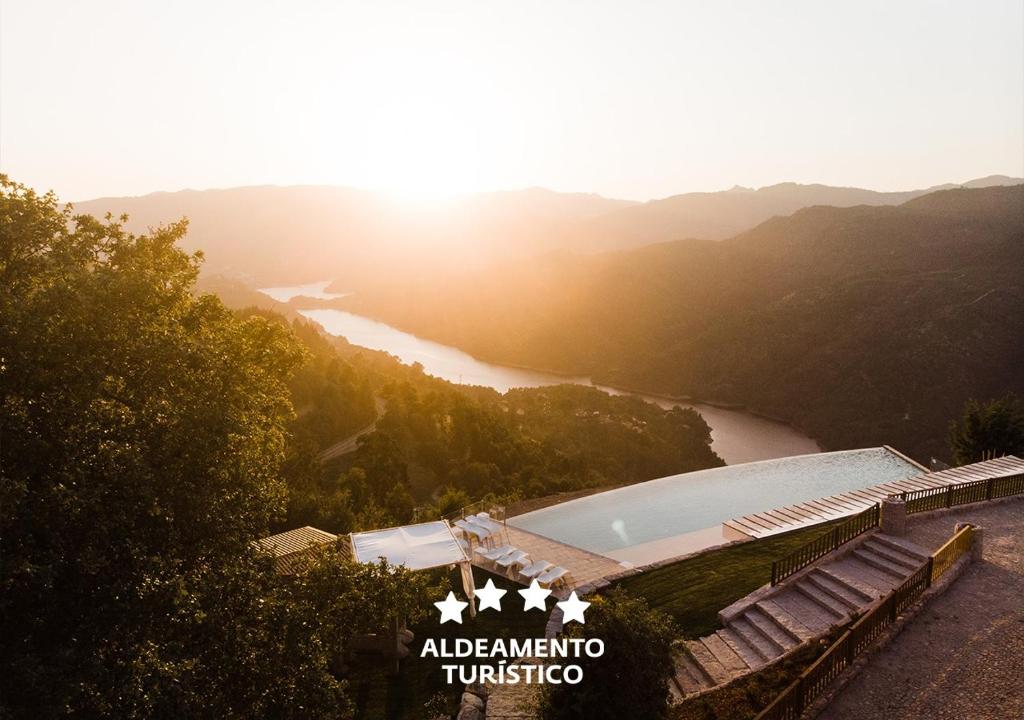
{"type": "Point", "coordinates": [893, 520]}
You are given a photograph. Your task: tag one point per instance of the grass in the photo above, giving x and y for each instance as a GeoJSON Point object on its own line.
{"type": "Point", "coordinates": [693, 590]}
{"type": "Point", "coordinates": [420, 680]}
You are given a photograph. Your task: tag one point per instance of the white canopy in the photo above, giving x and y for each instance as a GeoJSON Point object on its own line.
{"type": "Point", "coordinates": [417, 547]}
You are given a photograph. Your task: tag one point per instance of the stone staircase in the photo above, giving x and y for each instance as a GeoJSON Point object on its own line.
{"type": "Point", "coordinates": [768, 624]}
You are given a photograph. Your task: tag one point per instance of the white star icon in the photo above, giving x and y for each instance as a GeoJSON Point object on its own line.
{"type": "Point", "coordinates": [490, 596]}
{"type": "Point", "coordinates": [451, 609]}
{"type": "Point", "coordinates": [573, 608]}
{"type": "Point", "coordinates": [535, 596]}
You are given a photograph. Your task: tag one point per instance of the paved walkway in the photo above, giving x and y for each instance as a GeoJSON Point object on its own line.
{"type": "Point", "coordinates": [514, 702]}
{"type": "Point", "coordinates": [812, 512]}
{"type": "Point", "coordinates": [585, 567]}
{"type": "Point", "coordinates": [963, 655]}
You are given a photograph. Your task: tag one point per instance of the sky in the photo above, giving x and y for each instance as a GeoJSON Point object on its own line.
{"type": "Point", "coordinates": [632, 99]}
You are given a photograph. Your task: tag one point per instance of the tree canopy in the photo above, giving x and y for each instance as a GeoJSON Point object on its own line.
{"type": "Point", "coordinates": [142, 429]}
{"type": "Point", "coordinates": [630, 680]}
{"type": "Point", "coordinates": [987, 430]}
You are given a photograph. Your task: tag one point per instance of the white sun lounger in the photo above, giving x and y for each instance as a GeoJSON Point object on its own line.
{"type": "Point", "coordinates": [553, 576]}
{"type": "Point", "coordinates": [515, 559]}
{"type": "Point", "coordinates": [496, 553]}
{"type": "Point", "coordinates": [535, 568]}
{"type": "Point", "coordinates": [484, 520]}
{"type": "Point", "coordinates": [480, 533]}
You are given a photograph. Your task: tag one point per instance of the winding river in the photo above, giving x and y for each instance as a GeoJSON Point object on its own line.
{"type": "Point", "coordinates": [737, 436]}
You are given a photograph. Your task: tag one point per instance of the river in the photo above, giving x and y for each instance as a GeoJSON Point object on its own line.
{"type": "Point", "coordinates": [736, 436]}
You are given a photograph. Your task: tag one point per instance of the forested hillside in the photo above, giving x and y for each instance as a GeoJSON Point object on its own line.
{"type": "Point", "coordinates": [862, 325]}
{"type": "Point", "coordinates": [438, 446]}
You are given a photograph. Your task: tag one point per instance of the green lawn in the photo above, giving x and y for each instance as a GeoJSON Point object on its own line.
{"type": "Point", "coordinates": [694, 590]}
{"type": "Point", "coordinates": [403, 697]}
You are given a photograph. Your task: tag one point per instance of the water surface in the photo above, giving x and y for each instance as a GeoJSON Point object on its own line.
{"type": "Point", "coordinates": [649, 511]}
{"type": "Point", "coordinates": [737, 436]}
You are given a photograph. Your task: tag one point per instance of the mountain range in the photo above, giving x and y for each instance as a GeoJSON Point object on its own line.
{"type": "Point", "coordinates": [862, 325]}
{"type": "Point", "coordinates": [271, 235]}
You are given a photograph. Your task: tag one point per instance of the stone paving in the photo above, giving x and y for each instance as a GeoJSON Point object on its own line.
{"type": "Point", "coordinates": [585, 567]}
{"type": "Point", "coordinates": [514, 702]}
{"type": "Point", "coordinates": [963, 655]}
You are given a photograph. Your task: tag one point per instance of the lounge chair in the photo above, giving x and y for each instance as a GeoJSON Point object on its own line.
{"type": "Point", "coordinates": [515, 559]}
{"type": "Point", "coordinates": [535, 568]}
{"type": "Point", "coordinates": [484, 522]}
{"type": "Point", "coordinates": [475, 530]}
{"type": "Point", "coordinates": [484, 519]}
{"type": "Point", "coordinates": [496, 553]}
{"type": "Point", "coordinates": [555, 576]}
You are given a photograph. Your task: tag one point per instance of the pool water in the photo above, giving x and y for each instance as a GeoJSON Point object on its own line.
{"type": "Point", "coordinates": [618, 519]}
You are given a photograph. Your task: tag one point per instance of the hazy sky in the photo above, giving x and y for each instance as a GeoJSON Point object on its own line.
{"type": "Point", "coordinates": [632, 99]}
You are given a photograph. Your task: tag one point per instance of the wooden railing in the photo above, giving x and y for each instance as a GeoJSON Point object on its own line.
{"type": "Point", "coordinates": [813, 681]}
{"type": "Point", "coordinates": [969, 492]}
{"type": "Point", "coordinates": [824, 544]}
{"type": "Point", "coordinates": [497, 512]}
{"type": "Point", "coordinates": [955, 548]}
{"type": "Point", "coordinates": [916, 501]}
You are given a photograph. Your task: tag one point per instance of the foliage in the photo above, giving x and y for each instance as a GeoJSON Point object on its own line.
{"type": "Point", "coordinates": [631, 678]}
{"type": "Point", "coordinates": [413, 694]}
{"type": "Point", "coordinates": [142, 432]}
{"type": "Point", "coordinates": [437, 447]}
{"type": "Point", "coordinates": [988, 430]}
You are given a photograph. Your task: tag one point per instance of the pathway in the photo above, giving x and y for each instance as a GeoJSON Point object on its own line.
{"type": "Point", "coordinates": [963, 655]}
{"type": "Point", "coordinates": [812, 512]}
{"type": "Point", "coordinates": [349, 444]}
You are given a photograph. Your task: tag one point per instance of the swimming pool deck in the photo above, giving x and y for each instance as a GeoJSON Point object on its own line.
{"type": "Point", "coordinates": [812, 512]}
{"type": "Point", "coordinates": [584, 566]}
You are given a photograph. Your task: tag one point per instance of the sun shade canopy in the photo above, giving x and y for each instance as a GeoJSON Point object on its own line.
{"type": "Point", "coordinates": [417, 547]}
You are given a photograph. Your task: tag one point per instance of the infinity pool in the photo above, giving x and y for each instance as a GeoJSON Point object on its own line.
{"type": "Point", "coordinates": [612, 522]}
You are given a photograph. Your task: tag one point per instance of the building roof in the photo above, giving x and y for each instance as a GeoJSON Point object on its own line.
{"type": "Point", "coordinates": [290, 549]}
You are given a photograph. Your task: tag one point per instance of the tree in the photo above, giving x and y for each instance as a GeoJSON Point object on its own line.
{"type": "Point", "coordinates": [988, 430]}
{"type": "Point", "coordinates": [630, 680]}
{"type": "Point", "coordinates": [141, 433]}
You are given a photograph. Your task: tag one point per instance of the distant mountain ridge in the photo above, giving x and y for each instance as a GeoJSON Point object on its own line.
{"type": "Point", "coordinates": [862, 326]}
{"type": "Point", "coordinates": [280, 235]}
{"type": "Point", "coordinates": [720, 215]}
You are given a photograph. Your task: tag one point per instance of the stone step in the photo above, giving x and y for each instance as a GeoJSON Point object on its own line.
{"type": "Point", "coordinates": [864, 577]}
{"type": "Point", "coordinates": [690, 677]}
{"type": "Point", "coordinates": [792, 624]}
{"type": "Point", "coordinates": [818, 616]}
{"type": "Point", "coordinates": [877, 561]}
{"type": "Point", "coordinates": [776, 636]}
{"type": "Point", "coordinates": [896, 557]}
{"type": "Point", "coordinates": [750, 654]}
{"type": "Point", "coordinates": [754, 637]}
{"type": "Point", "coordinates": [725, 655]}
{"type": "Point", "coordinates": [904, 546]}
{"type": "Point", "coordinates": [836, 610]}
{"type": "Point", "coordinates": [704, 657]}
{"type": "Point", "coordinates": [852, 597]}
{"type": "Point", "coordinates": [676, 693]}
